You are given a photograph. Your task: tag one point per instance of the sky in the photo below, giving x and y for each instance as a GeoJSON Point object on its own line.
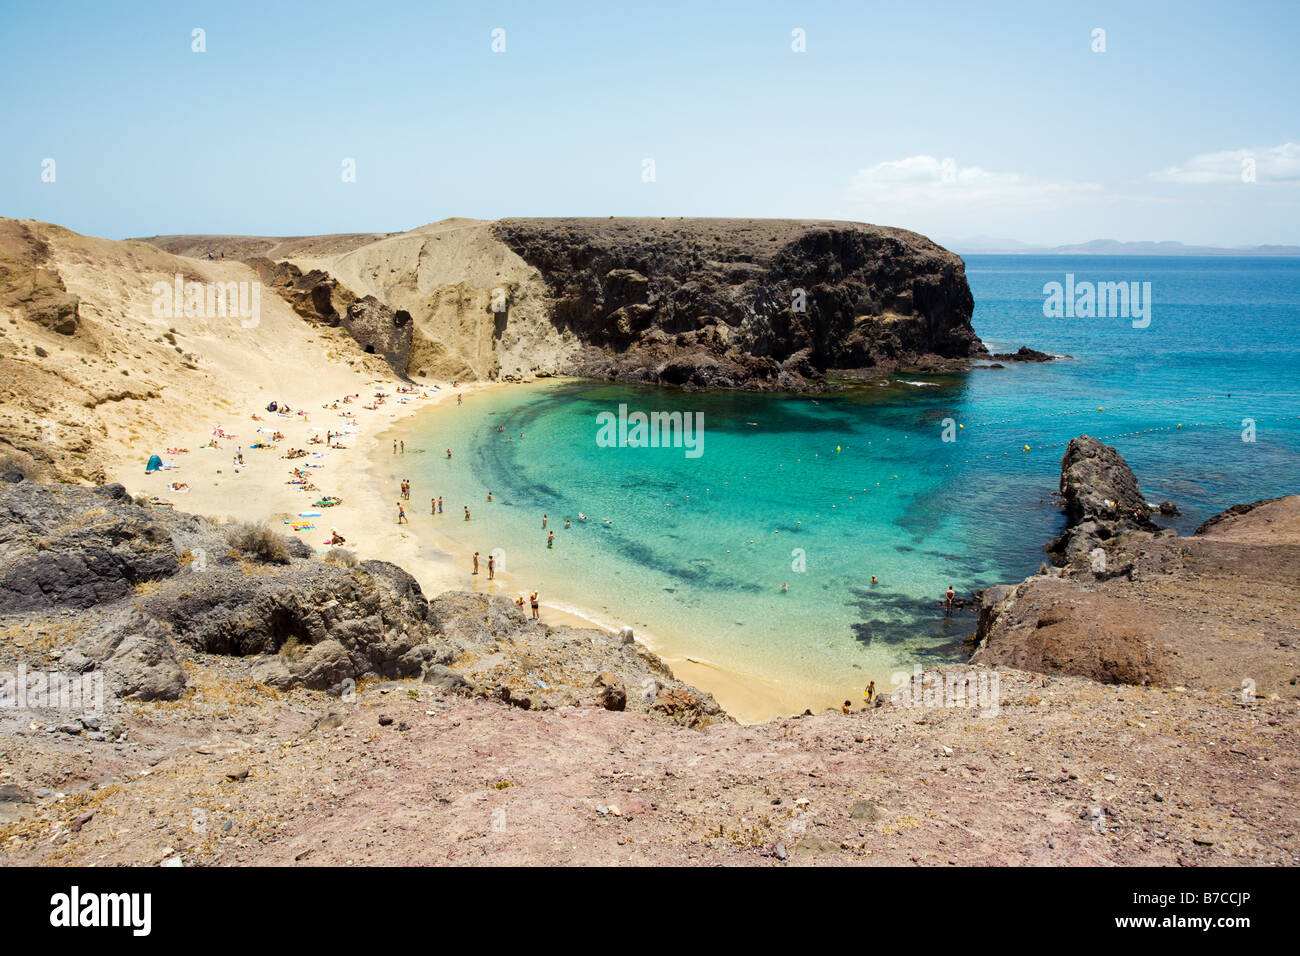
{"type": "Point", "coordinates": [1179, 121]}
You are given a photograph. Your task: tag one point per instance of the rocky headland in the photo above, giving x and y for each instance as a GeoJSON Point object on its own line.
{"type": "Point", "coordinates": [697, 303]}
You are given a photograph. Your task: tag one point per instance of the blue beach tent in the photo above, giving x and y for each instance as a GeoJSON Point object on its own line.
{"type": "Point", "coordinates": [155, 464]}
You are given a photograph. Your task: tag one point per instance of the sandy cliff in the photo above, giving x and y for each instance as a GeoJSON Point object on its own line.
{"type": "Point", "coordinates": [93, 371]}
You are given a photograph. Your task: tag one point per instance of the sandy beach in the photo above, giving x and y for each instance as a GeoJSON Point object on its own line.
{"type": "Point", "coordinates": [260, 490]}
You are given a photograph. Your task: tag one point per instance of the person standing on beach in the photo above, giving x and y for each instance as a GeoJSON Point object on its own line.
{"type": "Point", "coordinates": [433, 506]}
{"type": "Point", "coordinates": [492, 567]}
{"type": "Point", "coordinates": [448, 452]}
{"type": "Point", "coordinates": [550, 540]}
{"type": "Point", "coordinates": [401, 513]}
{"type": "Point", "coordinates": [532, 599]}
{"type": "Point", "coordinates": [489, 497]}
{"type": "Point", "coordinates": [440, 504]}
{"type": "Point", "coordinates": [394, 446]}
{"type": "Point", "coordinates": [950, 598]}
{"type": "Point", "coordinates": [467, 512]}
{"type": "Point", "coordinates": [475, 571]}
{"type": "Point", "coordinates": [403, 447]}
{"type": "Point", "coordinates": [543, 522]}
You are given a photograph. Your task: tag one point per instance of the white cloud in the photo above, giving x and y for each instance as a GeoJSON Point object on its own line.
{"type": "Point", "coordinates": [1273, 164]}
{"type": "Point", "coordinates": [919, 181]}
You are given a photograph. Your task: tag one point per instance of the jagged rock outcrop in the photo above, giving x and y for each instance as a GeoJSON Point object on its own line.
{"type": "Point", "coordinates": [727, 303]}
{"type": "Point", "coordinates": [136, 654]}
{"type": "Point", "coordinates": [315, 295]}
{"type": "Point", "coordinates": [319, 297]}
{"type": "Point", "coordinates": [321, 623]}
{"type": "Point", "coordinates": [145, 587]}
{"type": "Point", "coordinates": [381, 330]}
{"type": "Point", "coordinates": [1101, 496]}
{"type": "Point", "coordinates": [508, 656]}
{"type": "Point", "coordinates": [66, 546]}
{"type": "Point", "coordinates": [31, 283]}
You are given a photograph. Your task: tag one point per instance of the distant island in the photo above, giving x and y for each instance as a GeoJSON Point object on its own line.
{"type": "Point", "coordinates": [985, 245]}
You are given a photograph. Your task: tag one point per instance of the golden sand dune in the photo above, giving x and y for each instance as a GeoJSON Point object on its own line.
{"type": "Point", "coordinates": [90, 383]}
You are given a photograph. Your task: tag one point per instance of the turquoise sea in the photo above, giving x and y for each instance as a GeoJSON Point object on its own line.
{"type": "Point", "coordinates": [820, 493]}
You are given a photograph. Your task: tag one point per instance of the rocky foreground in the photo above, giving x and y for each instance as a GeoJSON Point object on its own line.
{"type": "Point", "coordinates": [266, 707]}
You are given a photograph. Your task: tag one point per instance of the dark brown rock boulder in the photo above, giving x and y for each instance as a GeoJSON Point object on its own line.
{"type": "Point", "coordinates": [1102, 499]}
{"type": "Point", "coordinates": [1097, 483]}
{"type": "Point", "coordinates": [316, 295]}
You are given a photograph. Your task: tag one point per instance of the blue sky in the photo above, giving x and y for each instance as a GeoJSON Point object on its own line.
{"type": "Point", "coordinates": [955, 119]}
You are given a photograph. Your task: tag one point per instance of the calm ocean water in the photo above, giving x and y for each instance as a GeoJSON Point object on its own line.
{"type": "Point", "coordinates": [822, 493]}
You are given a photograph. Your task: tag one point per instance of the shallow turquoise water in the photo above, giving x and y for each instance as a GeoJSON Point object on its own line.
{"type": "Point", "coordinates": [821, 493]}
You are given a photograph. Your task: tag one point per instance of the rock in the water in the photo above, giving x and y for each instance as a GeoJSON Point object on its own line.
{"type": "Point", "coordinates": [1102, 500]}
{"type": "Point", "coordinates": [1097, 483]}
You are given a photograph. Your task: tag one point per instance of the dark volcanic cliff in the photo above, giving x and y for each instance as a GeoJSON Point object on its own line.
{"type": "Point", "coordinates": [747, 302]}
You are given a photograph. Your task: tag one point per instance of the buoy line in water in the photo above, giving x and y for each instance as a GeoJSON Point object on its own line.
{"type": "Point", "coordinates": [1182, 426]}
{"type": "Point", "coordinates": [1154, 403]}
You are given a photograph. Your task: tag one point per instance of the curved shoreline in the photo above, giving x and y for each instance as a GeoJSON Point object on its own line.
{"type": "Point", "coordinates": [746, 697]}
{"type": "Point", "coordinates": [749, 698]}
